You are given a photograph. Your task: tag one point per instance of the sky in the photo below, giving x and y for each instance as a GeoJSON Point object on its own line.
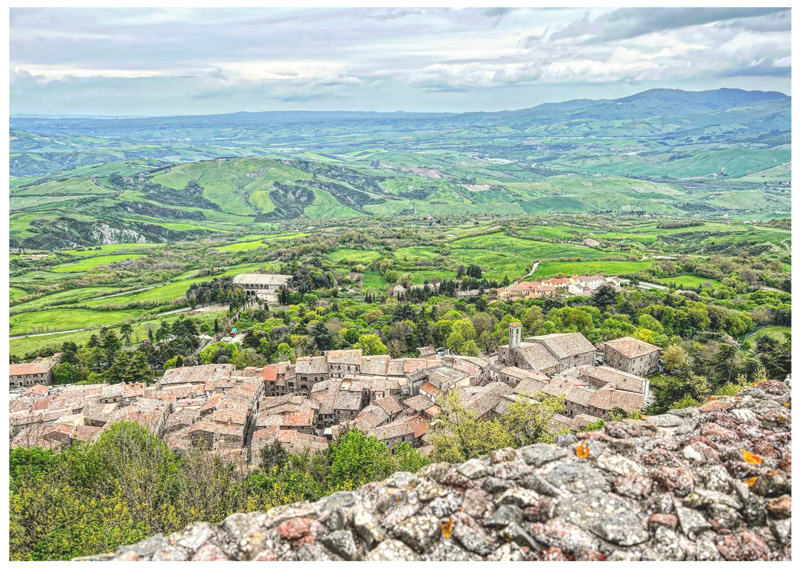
{"type": "Point", "coordinates": [159, 62]}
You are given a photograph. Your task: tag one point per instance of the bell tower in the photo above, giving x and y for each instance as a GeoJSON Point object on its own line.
{"type": "Point", "coordinates": [514, 335]}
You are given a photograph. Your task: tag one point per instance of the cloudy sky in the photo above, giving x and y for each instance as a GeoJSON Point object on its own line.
{"type": "Point", "coordinates": [199, 61]}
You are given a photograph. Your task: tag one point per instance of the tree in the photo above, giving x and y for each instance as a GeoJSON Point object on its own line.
{"type": "Point", "coordinates": [284, 352]}
{"type": "Point", "coordinates": [371, 345]}
{"type": "Point", "coordinates": [140, 369]}
{"type": "Point", "coordinates": [474, 271]}
{"type": "Point", "coordinates": [408, 459]}
{"type": "Point", "coordinates": [458, 435]}
{"type": "Point", "coordinates": [676, 359]}
{"type": "Point", "coordinates": [775, 355]}
{"type": "Point", "coordinates": [528, 418]}
{"type": "Point", "coordinates": [64, 373]}
{"type": "Point", "coordinates": [273, 457]}
{"type": "Point", "coordinates": [120, 371]}
{"type": "Point", "coordinates": [321, 336]}
{"type": "Point", "coordinates": [248, 358]}
{"type": "Point", "coordinates": [69, 353]}
{"type": "Point", "coordinates": [126, 330]}
{"type": "Point", "coordinates": [470, 349]}
{"type": "Point", "coordinates": [163, 331]}
{"type": "Point", "coordinates": [356, 460]}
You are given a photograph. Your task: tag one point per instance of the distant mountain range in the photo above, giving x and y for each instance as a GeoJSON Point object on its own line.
{"type": "Point", "coordinates": [654, 102]}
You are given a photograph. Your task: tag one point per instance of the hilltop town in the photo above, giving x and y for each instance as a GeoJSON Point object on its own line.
{"type": "Point", "coordinates": [307, 404]}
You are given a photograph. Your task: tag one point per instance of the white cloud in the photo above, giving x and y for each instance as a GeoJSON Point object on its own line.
{"type": "Point", "coordinates": [362, 54]}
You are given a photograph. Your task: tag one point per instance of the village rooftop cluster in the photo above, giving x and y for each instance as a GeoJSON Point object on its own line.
{"type": "Point", "coordinates": [306, 405]}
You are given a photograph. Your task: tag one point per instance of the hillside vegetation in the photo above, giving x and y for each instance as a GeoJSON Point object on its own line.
{"type": "Point", "coordinates": [662, 152]}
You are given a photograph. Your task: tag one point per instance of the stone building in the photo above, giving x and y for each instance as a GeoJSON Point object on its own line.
{"type": "Point", "coordinates": [632, 356]}
{"type": "Point", "coordinates": [307, 372]}
{"type": "Point", "coordinates": [262, 286]}
{"type": "Point", "coordinates": [29, 374]}
{"type": "Point", "coordinates": [343, 362]}
{"type": "Point", "coordinates": [547, 354]}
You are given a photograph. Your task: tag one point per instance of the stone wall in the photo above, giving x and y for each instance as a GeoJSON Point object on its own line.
{"type": "Point", "coordinates": [707, 483]}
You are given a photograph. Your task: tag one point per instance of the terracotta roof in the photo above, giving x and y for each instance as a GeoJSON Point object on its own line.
{"type": "Point", "coordinates": [483, 399]}
{"type": "Point", "coordinates": [375, 365]}
{"type": "Point", "coordinates": [581, 421]}
{"type": "Point", "coordinates": [418, 403]}
{"type": "Point", "coordinates": [419, 426]}
{"type": "Point", "coordinates": [253, 279]}
{"type": "Point", "coordinates": [522, 374]}
{"type": "Point", "coordinates": [220, 383]}
{"type": "Point", "coordinates": [580, 395]}
{"type": "Point", "coordinates": [371, 417]}
{"type": "Point", "coordinates": [36, 390]}
{"type": "Point", "coordinates": [197, 374]}
{"type": "Point", "coordinates": [346, 400]}
{"type": "Point", "coordinates": [26, 369]}
{"type": "Point", "coordinates": [344, 356]}
{"type": "Point", "coordinates": [564, 345]}
{"type": "Point", "coordinates": [311, 366]}
{"type": "Point", "coordinates": [631, 347]}
{"type": "Point", "coordinates": [389, 404]}
{"type": "Point", "coordinates": [394, 429]}
{"type": "Point", "coordinates": [212, 401]}
{"type": "Point", "coordinates": [603, 375]}
{"type": "Point", "coordinates": [54, 429]}
{"type": "Point", "coordinates": [233, 431]}
{"type": "Point", "coordinates": [293, 440]}
{"type": "Point", "coordinates": [131, 390]}
{"type": "Point", "coordinates": [609, 398]}
{"type": "Point", "coordinates": [592, 278]}
{"type": "Point", "coordinates": [529, 386]}
{"type": "Point", "coordinates": [299, 418]}
{"type": "Point", "coordinates": [560, 385]}
{"type": "Point", "coordinates": [85, 433]}
{"type": "Point", "coordinates": [411, 365]}
{"type": "Point", "coordinates": [537, 356]}
{"type": "Point", "coordinates": [430, 389]}
{"type": "Point", "coordinates": [230, 416]}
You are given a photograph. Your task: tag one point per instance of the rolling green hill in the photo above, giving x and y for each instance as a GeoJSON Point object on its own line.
{"type": "Point", "coordinates": [661, 152]}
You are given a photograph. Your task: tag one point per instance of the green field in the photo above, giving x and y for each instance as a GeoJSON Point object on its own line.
{"type": "Point", "coordinates": [530, 249]}
{"type": "Point", "coordinates": [67, 296]}
{"type": "Point", "coordinates": [105, 249]}
{"type": "Point", "coordinates": [689, 280]}
{"type": "Point", "coordinates": [93, 262]}
{"type": "Point", "coordinates": [240, 246]}
{"type": "Point", "coordinates": [58, 319]}
{"type": "Point", "coordinates": [167, 292]}
{"type": "Point", "coordinates": [355, 255]}
{"type": "Point", "coordinates": [374, 280]}
{"type": "Point", "coordinates": [325, 205]}
{"type": "Point", "coordinates": [774, 331]}
{"type": "Point", "coordinates": [605, 267]}
{"type": "Point", "coordinates": [15, 293]}
{"type": "Point", "coordinates": [27, 344]}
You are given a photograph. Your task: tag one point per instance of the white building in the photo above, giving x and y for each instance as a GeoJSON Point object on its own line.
{"type": "Point", "coordinates": [262, 286]}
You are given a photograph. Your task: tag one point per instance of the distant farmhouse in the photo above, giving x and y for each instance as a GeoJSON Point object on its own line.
{"type": "Point", "coordinates": [29, 374]}
{"type": "Point", "coordinates": [550, 288]}
{"type": "Point", "coordinates": [262, 286]}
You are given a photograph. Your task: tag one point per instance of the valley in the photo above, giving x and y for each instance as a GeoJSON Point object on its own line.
{"type": "Point", "coordinates": [712, 154]}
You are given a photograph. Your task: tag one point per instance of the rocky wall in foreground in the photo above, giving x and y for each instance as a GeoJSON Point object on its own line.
{"type": "Point", "coordinates": [707, 483]}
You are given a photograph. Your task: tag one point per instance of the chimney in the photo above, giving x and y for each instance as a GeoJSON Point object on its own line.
{"type": "Point", "coordinates": [514, 335]}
